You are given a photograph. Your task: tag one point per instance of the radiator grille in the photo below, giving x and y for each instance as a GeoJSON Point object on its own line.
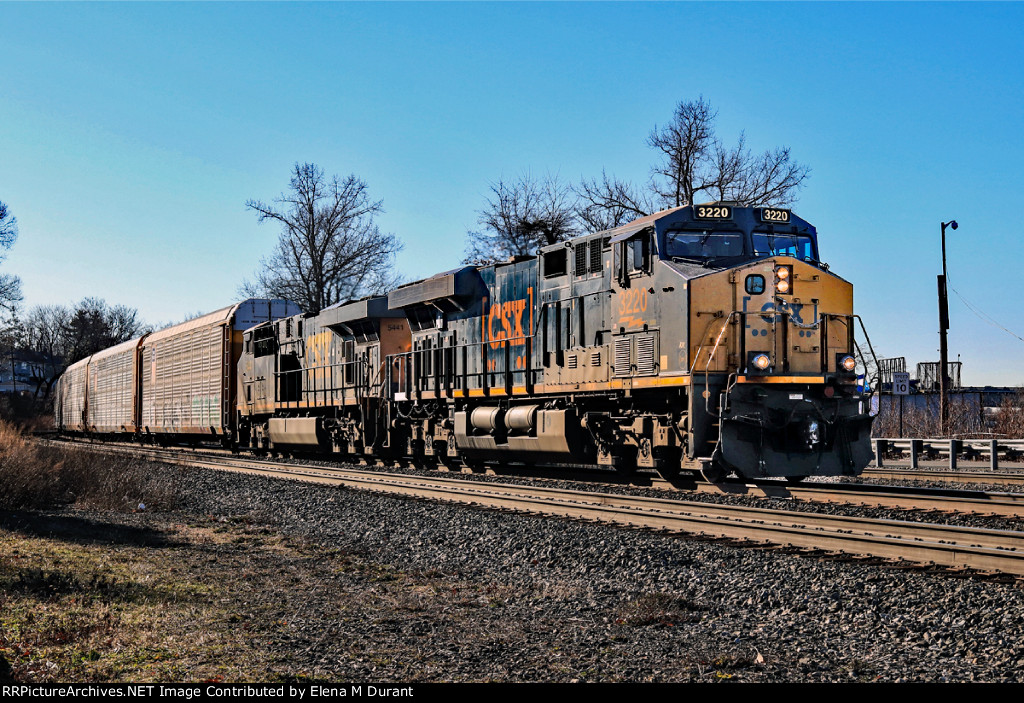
{"type": "Point", "coordinates": [595, 256]}
{"type": "Point", "coordinates": [645, 358]}
{"type": "Point", "coordinates": [621, 356]}
{"type": "Point", "coordinates": [581, 259]}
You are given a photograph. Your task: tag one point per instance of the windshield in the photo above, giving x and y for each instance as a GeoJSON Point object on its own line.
{"type": "Point", "coordinates": [794, 245]}
{"type": "Point", "coordinates": [703, 245]}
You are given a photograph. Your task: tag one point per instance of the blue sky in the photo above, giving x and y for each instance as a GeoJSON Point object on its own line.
{"type": "Point", "coordinates": [131, 135]}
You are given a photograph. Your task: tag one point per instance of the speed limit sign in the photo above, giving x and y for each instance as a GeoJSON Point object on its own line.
{"type": "Point", "coordinates": [900, 383]}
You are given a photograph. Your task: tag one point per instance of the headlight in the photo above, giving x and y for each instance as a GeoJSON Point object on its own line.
{"type": "Point", "coordinates": [783, 280]}
{"type": "Point", "coordinates": [846, 363]}
{"type": "Point", "coordinates": [758, 362]}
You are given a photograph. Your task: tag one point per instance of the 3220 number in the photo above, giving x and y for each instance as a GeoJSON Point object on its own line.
{"type": "Point", "coordinates": [633, 302]}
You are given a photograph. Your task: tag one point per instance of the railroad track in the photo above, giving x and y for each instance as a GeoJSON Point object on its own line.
{"type": "Point", "coordinates": [985, 550]}
{"type": "Point", "coordinates": [1007, 505]}
{"type": "Point", "coordinates": [1006, 478]}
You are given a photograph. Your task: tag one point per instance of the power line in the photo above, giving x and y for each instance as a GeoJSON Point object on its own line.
{"type": "Point", "coordinates": [983, 315]}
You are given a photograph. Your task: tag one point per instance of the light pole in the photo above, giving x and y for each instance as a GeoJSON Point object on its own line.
{"type": "Point", "coordinates": [943, 328]}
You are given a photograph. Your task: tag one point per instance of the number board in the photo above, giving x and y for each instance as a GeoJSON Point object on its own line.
{"type": "Point", "coordinates": [774, 214]}
{"type": "Point", "coordinates": [712, 212]}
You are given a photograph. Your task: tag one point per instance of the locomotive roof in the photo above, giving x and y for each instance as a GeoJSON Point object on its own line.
{"type": "Point", "coordinates": [456, 283]}
{"type": "Point", "coordinates": [744, 219]}
{"type": "Point", "coordinates": [366, 308]}
{"type": "Point", "coordinates": [630, 228]}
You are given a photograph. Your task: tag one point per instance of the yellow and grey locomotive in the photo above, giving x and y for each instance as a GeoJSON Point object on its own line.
{"type": "Point", "coordinates": [707, 338]}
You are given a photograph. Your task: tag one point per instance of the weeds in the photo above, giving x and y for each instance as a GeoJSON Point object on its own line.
{"type": "Point", "coordinates": [660, 609]}
{"type": "Point", "coordinates": [967, 419]}
{"type": "Point", "coordinates": [39, 476]}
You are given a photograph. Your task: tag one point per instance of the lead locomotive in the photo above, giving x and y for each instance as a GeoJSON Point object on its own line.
{"type": "Point", "coordinates": [707, 338]}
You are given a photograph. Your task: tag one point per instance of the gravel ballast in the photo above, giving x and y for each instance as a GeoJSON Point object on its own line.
{"type": "Point", "coordinates": [552, 600]}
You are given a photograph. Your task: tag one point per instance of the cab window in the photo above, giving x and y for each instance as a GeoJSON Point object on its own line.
{"type": "Point", "coordinates": [797, 246]}
{"type": "Point", "coordinates": [638, 254]}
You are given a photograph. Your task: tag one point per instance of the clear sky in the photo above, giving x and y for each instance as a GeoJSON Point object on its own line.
{"type": "Point", "coordinates": [131, 135]}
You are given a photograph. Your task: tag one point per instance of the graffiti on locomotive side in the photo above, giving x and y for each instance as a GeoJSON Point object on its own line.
{"type": "Point", "coordinates": [505, 321]}
{"type": "Point", "coordinates": [318, 349]}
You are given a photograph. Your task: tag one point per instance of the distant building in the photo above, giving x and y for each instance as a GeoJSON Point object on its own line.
{"type": "Point", "coordinates": [20, 371]}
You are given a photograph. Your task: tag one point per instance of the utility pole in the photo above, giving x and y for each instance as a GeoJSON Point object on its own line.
{"type": "Point", "coordinates": [943, 329]}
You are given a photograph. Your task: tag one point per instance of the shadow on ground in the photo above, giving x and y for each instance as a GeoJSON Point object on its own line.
{"type": "Point", "coordinates": [81, 530]}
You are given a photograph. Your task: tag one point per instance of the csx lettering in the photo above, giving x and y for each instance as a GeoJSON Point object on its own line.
{"type": "Point", "coordinates": [784, 307]}
{"type": "Point", "coordinates": [505, 321]}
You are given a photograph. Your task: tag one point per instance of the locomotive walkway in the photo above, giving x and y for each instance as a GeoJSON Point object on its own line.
{"type": "Point", "coordinates": [986, 550]}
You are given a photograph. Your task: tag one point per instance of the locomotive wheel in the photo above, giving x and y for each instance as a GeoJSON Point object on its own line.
{"type": "Point", "coordinates": [669, 473]}
{"type": "Point", "coordinates": [711, 471]}
{"type": "Point", "coordinates": [473, 466]}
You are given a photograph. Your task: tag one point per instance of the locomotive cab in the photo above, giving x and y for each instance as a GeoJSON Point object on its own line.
{"type": "Point", "coordinates": [769, 347]}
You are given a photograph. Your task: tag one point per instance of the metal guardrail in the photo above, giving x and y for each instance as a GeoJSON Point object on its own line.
{"type": "Point", "coordinates": [953, 449]}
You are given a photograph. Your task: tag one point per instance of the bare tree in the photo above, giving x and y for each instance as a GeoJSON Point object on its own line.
{"type": "Point", "coordinates": [694, 162]}
{"type": "Point", "coordinates": [688, 146]}
{"type": "Point", "coordinates": [520, 217]}
{"type": "Point", "coordinates": [45, 334]}
{"type": "Point", "coordinates": [10, 285]}
{"type": "Point", "coordinates": [93, 326]}
{"type": "Point", "coordinates": [56, 336]}
{"type": "Point", "coordinates": [694, 165]}
{"type": "Point", "coordinates": [329, 250]}
{"type": "Point", "coordinates": [772, 178]}
{"type": "Point", "coordinates": [609, 203]}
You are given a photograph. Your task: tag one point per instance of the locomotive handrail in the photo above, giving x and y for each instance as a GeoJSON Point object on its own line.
{"type": "Point", "coordinates": [711, 356]}
{"type": "Point", "coordinates": [876, 381]}
{"type": "Point", "coordinates": [821, 324]}
{"type": "Point", "coordinates": [319, 373]}
{"type": "Point", "coordinates": [448, 368]}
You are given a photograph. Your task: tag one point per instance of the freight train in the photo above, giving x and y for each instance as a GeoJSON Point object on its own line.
{"type": "Point", "coordinates": [707, 338]}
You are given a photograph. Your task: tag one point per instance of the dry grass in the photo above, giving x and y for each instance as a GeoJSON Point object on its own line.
{"type": "Point", "coordinates": [660, 609]}
{"type": "Point", "coordinates": [1009, 421]}
{"type": "Point", "coordinates": [965, 421]}
{"type": "Point", "coordinates": [222, 601]}
{"type": "Point", "coordinates": [151, 608]}
{"type": "Point", "coordinates": [38, 476]}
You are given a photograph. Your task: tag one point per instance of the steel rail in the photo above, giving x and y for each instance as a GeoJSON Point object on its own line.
{"type": "Point", "coordinates": [945, 475]}
{"type": "Point", "coordinates": [949, 546]}
{"type": "Point", "coordinates": [1007, 505]}
{"type": "Point", "coordinates": [904, 498]}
